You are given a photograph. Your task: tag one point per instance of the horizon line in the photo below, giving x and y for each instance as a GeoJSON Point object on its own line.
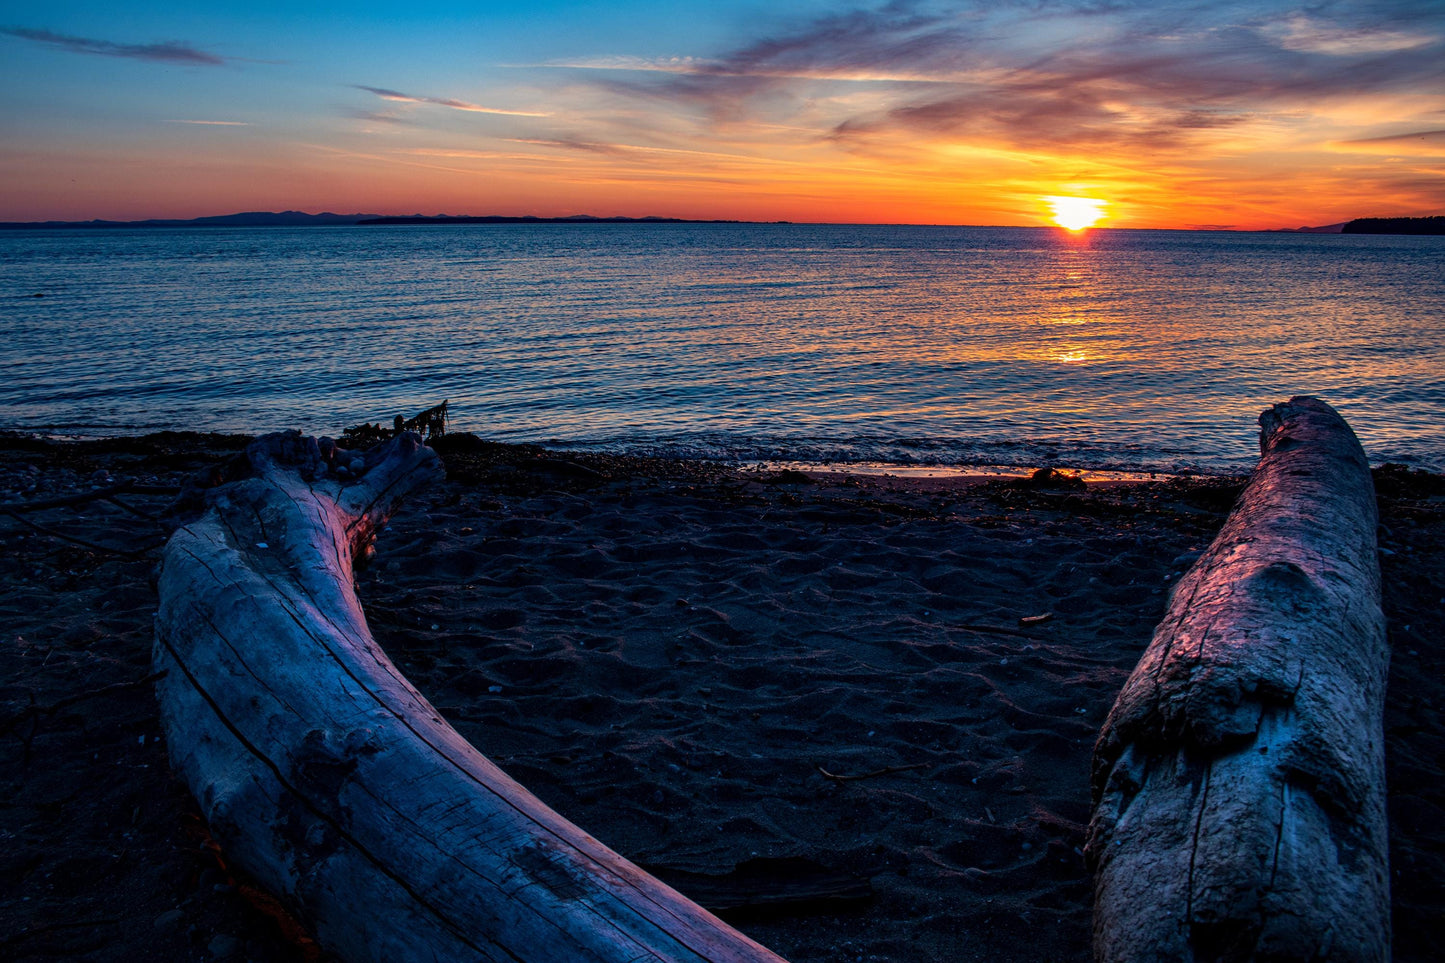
{"type": "Point", "coordinates": [582, 218]}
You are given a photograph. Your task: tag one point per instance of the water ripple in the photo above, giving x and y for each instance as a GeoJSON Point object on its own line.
{"type": "Point", "coordinates": [1122, 349]}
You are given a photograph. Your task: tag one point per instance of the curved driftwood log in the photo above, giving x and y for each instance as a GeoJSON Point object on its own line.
{"type": "Point", "coordinates": [1239, 779]}
{"type": "Point", "coordinates": [329, 778]}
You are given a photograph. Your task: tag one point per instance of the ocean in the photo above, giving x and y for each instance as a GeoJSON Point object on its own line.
{"type": "Point", "coordinates": [895, 345]}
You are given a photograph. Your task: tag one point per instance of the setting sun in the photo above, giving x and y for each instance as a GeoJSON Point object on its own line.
{"type": "Point", "coordinates": [1076, 213]}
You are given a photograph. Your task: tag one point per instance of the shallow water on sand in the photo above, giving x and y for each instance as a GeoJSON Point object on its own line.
{"type": "Point", "coordinates": [921, 345]}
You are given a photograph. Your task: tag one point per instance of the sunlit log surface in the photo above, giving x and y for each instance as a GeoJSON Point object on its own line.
{"type": "Point", "coordinates": [331, 780]}
{"type": "Point", "coordinates": [1239, 779]}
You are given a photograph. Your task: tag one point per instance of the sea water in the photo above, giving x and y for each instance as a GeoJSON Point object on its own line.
{"type": "Point", "coordinates": [1142, 350]}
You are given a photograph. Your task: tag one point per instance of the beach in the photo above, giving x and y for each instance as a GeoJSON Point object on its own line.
{"type": "Point", "coordinates": [866, 702]}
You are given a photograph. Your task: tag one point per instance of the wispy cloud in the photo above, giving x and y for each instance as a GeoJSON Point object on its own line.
{"type": "Point", "coordinates": [564, 143]}
{"type": "Point", "coordinates": [664, 65]}
{"type": "Point", "coordinates": [1437, 136]}
{"type": "Point", "coordinates": [695, 66]}
{"type": "Point", "coordinates": [1303, 33]}
{"type": "Point", "coordinates": [466, 154]}
{"type": "Point", "coordinates": [213, 123]}
{"type": "Point", "coordinates": [1431, 142]}
{"type": "Point", "coordinates": [391, 118]}
{"type": "Point", "coordinates": [171, 51]}
{"type": "Point", "coordinates": [397, 96]}
{"type": "Point", "coordinates": [1081, 76]}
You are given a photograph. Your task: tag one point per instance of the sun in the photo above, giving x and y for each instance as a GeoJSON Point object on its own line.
{"type": "Point", "coordinates": [1076, 213]}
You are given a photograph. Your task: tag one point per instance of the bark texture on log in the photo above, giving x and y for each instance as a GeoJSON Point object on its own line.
{"type": "Point", "coordinates": [1238, 782]}
{"type": "Point", "coordinates": [329, 778]}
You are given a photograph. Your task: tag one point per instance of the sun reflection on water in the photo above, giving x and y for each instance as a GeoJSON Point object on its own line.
{"type": "Point", "coordinates": [873, 340]}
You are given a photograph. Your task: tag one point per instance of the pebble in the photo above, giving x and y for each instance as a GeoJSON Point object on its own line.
{"type": "Point", "coordinates": [169, 918]}
{"type": "Point", "coordinates": [223, 946]}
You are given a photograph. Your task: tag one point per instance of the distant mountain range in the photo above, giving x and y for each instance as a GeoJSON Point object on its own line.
{"type": "Point", "coordinates": [302, 219]}
{"type": "Point", "coordinates": [247, 219]}
{"type": "Point", "coordinates": [1327, 229]}
{"type": "Point", "coordinates": [529, 219]}
{"type": "Point", "coordinates": [1379, 225]}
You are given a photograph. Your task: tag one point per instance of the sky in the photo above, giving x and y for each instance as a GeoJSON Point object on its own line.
{"type": "Point", "coordinates": [1169, 113]}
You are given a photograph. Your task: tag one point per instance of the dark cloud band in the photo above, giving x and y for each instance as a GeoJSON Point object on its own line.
{"type": "Point", "coordinates": [170, 52]}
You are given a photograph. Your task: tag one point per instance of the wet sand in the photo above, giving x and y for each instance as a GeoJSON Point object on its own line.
{"type": "Point", "coordinates": [703, 668]}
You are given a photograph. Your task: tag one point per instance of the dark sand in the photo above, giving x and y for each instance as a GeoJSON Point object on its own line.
{"type": "Point", "coordinates": [676, 657]}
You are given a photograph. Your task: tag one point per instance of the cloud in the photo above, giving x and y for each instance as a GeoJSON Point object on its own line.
{"type": "Point", "coordinates": [1437, 136]}
{"type": "Point", "coordinates": [397, 96]}
{"type": "Point", "coordinates": [382, 117]}
{"type": "Point", "coordinates": [464, 153]}
{"type": "Point", "coordinates": [565, 143]}
{"type": "Point", "coordinates": [666, 65]}
{"type": "Point", "coordinates": [906, 38]}
{"type": "Point", "coordinates": [1303, 33]}
{"type": "Point", "coordinates": [213, 123]}
{"type": "Point", "coordinates": [1036, 74]}
{"type": "Point", "coordinates": [1420, 142]}
{"type": "Point", "coordinates": [172, 52]}
{"type": "Point", "coordinates": [892, 45]}
{"type": "Point", "coordinates": [716, 68]}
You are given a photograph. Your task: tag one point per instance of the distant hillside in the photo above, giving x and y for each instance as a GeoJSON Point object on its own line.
{"type": "Point", "coordinates": [247, 219]}
{"type": "Point", "coordinates": [302, 219]}
{"type": "Point", "coordinates": [530, 219]}
{"type": "Point", "coordinates": [1396, 225]}
{"type": "Point", "coordinates": [1325, 229]}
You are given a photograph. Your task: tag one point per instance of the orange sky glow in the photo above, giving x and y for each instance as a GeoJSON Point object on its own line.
{"type": "Point", "coordinates": [1244, 116]}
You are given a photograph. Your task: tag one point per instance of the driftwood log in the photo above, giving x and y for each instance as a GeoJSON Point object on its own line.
{"type": "Point", "coordinates": [330, 779]}
{"type": "Point", "coordinates": [1238, 782]}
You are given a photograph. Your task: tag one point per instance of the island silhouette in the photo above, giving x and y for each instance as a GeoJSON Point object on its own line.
{"type": "Point", "coordinates": [1395, 225]}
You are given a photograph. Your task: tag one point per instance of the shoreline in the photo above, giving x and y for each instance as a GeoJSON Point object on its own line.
{"type": "Point", "coordinates": [697, 665]}
{"type": "Point", "coordinates": [748, 459]}
{"type": "Point", "coordinates": [973, 474]}
{"type": "Point", "coordinates": [821, 469]}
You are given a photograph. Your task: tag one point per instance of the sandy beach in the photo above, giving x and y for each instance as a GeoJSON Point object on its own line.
{"type": "Point", "coordinates": [867, 703]}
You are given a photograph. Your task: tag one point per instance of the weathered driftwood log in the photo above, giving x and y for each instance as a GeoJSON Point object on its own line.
{"type": "Point", "coordinates": [1239, 779]}
{"type": "Point", "coordinates": [329, 778]}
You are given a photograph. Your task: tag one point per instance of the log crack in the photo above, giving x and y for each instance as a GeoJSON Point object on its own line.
{"type": "Point", "coordinates": [1253, 725]}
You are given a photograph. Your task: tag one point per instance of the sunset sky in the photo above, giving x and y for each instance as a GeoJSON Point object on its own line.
{"type": "Point", "coordinates": [1175, 114]}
